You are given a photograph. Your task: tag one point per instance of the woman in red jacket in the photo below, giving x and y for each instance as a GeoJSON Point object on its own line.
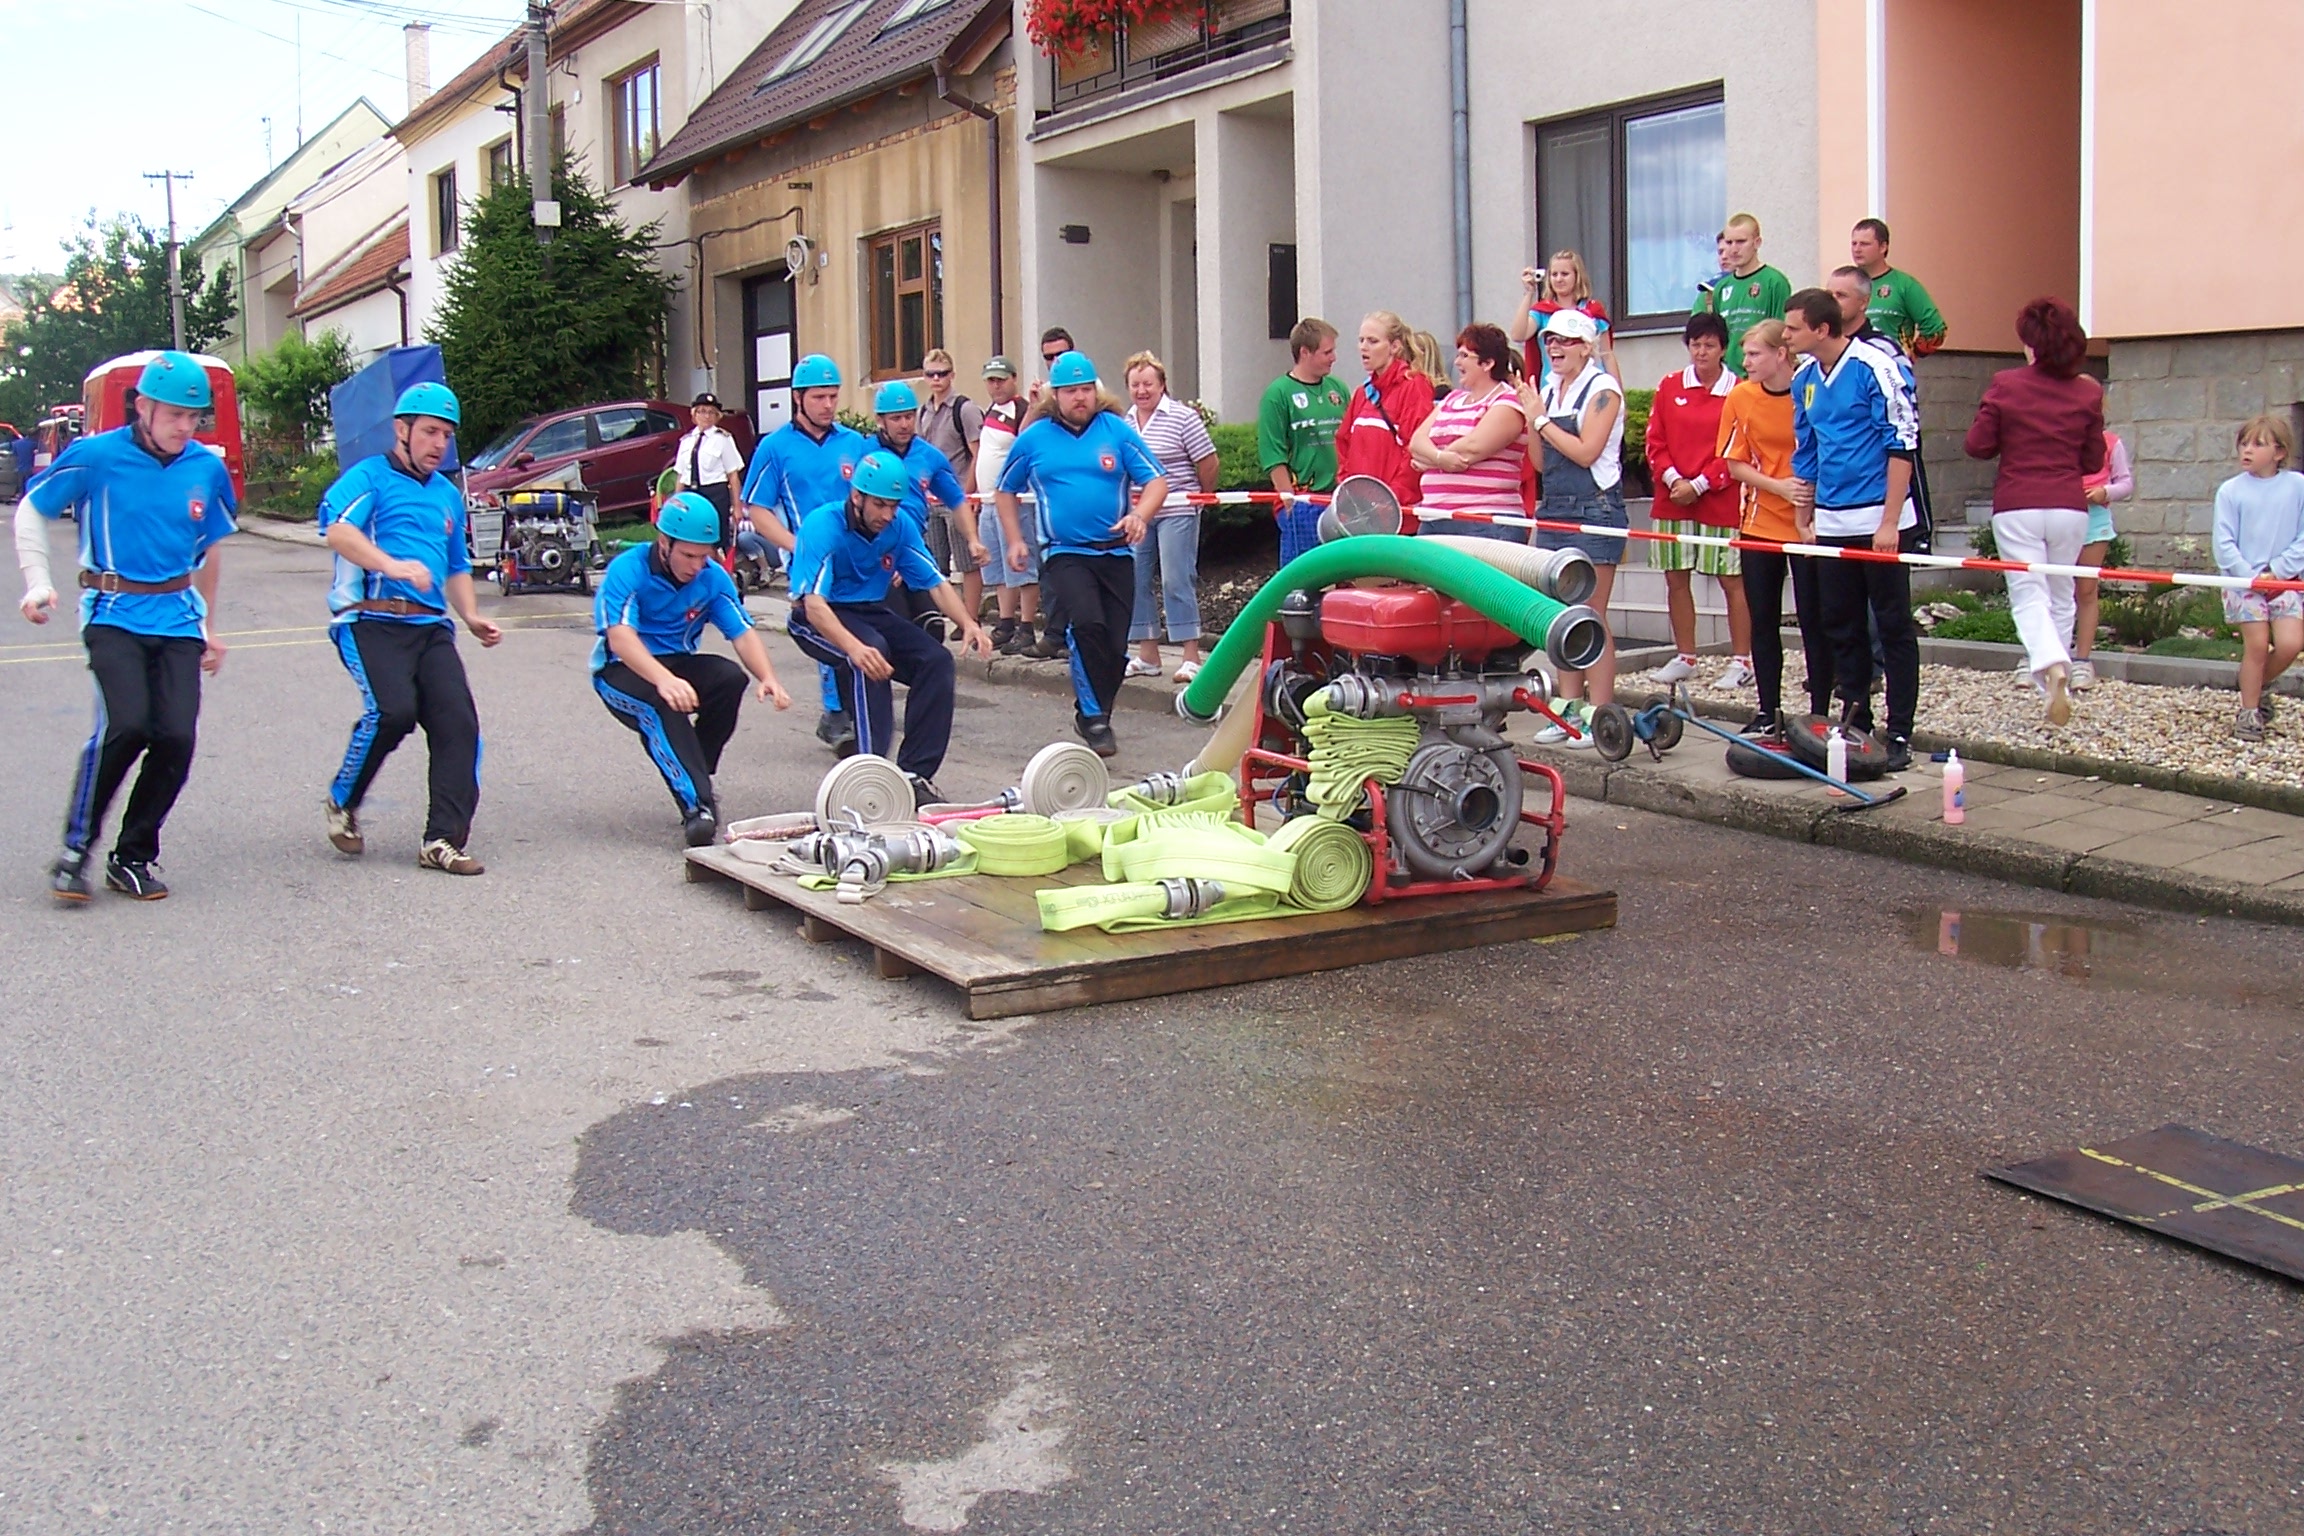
{"type": "Point", "coordinates": [1694, 495]}
{"type": "Point", "coordinates": [2044, 422]}
{"type": "Point", "coordinates": [1386, 410]}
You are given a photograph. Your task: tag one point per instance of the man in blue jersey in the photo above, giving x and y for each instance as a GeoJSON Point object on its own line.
{"type": "Point", "coordinates": [152, 504]}
{"type": "Point", "coordinates": [1079, 462]}
{"type": "Point", "coordinates": [850, 551]}
{"type": "Point", "coordinates": [796, 469]}
{"type": "Point", "coordinates": [396, 527]}
{"type": "Point", "coordinates": [1855, 433]}
{"type": "Point", "coordinates": [928, 477]}
{"type": "Point", "coordinates": [651, 610]}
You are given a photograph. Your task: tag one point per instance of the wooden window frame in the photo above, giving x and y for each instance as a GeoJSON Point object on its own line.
{"type": "Point", "coordinates": [447, 233]}
{"type": "Point", "coordinates": [884, 340]}
{"type": "Point", "coordinates": [626, 150]}
{"type": "Point", "coordinates": [1618, 117]}
{"type": "Point", "coordinates": [511, 163]}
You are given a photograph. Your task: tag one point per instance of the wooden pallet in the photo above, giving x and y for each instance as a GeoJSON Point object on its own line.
{"type": "Point", "coordinates": [982, 934]}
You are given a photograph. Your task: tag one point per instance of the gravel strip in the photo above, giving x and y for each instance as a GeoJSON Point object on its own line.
{"type": "Point", "coordinates": [2188, 729]}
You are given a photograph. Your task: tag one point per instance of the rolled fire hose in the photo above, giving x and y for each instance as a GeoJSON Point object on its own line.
{"type": "Point", "coordinates": [1329, 869]}
{"type": "Point", "coordinates": [1232, 854]}
{"type": "Point", "coordinates": [1573, 637]}
{"type": "Point", "coordinates": [1564, 574]}
{"type": "Point", "coordinates": [1121, 833]}
{"type": "Point", "coordinates": [1084, 829]}
{"type": "Point", "coordinates": [1347, 752]}
{"type": "Point", "coordinates": [1016, 844]}
{"type": "Point", "coordinates": [1063, 776]}
{"type": "Point", "coordinates": [1101, 905]}
{"type": "Point", "coordinates": [771, 828]}
{"type": "Point", "coordinates": [872, 789]}
{"type": "Point", "coordinates": [1333, 864]}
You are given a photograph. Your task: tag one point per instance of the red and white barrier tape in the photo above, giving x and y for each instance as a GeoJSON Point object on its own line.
{"type": "Point", "coordinates": [1733, 541]}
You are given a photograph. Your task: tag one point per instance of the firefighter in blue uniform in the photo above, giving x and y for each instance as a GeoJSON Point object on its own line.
{"type": "Point", "coordinates": [928, 476]}
{"type": "Point", "coordinates": [651, 610]}
{"type": "Point", "coordinates": [849, 552]}
{"type": "Point", "coordinates": [152, 504]}
{"type": "Point", "coordinates": [396, 527]}
{"type": "Point", "coordinates": [797, 468]}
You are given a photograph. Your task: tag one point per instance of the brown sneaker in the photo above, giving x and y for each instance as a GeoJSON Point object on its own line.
{"type": "Point", "coordinates": [444, 855]}
{"type": "Point", "coordinates": [344, 829]}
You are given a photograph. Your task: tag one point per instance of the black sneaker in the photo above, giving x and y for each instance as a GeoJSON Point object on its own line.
{"type": "Point", "coordinates": [1899, 753]}
{"type": "Point", "coordinates": [700, 826]}
{"type": "Point", "coordinates": [1097, 732]}
{"type": "Point", "coordinates": [1762, 724]}
{"type": "Point", "coordinates": [1019, 640]}
{"type": "Point", "coordinates": [836, 728]}
{"type": "Point", "coordinates": [137, 878]}
{"type": "Point", "coordinates": [933, 625]}
{"type": "Point", "coordinates": [68, 876]}
{"type": "Point", "coordinates": [924, 792]}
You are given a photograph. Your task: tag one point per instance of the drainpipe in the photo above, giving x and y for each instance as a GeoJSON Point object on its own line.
{"type": "Point", "coordinates": [944, 93]}
{"type": "Point", "coordinates": [1460, 115]}
{"type": "Point", "coordinates": [393, 283]}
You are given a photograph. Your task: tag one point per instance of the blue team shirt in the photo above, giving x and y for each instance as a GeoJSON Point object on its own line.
{"type": "Point", "coordinates": [927, 472]}
{"type": "Point", "coordinates": [1081, 480]}
{"type": "Point", "coordinates": [840, 565]}
{"type": "Point", "coordinates": [794, 473]}
{"type": "Point", "coordinates": [408, 519]}
{"type": "Point", "coordinates": [142, 520]}
{"type": "Point", "coordinates": [637, 590]}
{"type": "Point", "coordinates": [1846, 423]}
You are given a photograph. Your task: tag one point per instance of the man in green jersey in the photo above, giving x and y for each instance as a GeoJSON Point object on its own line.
{"type": "Point", "coordinates": [1748, 292]}
{"type": "Point", "coordinates": [1896, 304]}
{"type": "Point", "coordinates": [1296, 429]}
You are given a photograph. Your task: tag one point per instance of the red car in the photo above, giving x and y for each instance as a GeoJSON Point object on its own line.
{"type": "Point", "coordinates": [621, 448]}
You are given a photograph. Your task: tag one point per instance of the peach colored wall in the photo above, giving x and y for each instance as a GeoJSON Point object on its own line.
{"type": "Point", "coordinates": [1840, 127]}
{"type": "Point", "coordinates": [2197, 152]}
{"type": "Point", "coordinates": [1984, 157]}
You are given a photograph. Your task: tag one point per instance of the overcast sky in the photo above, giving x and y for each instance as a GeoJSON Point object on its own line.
{"type": "Point", "coordinates": [106, 90]}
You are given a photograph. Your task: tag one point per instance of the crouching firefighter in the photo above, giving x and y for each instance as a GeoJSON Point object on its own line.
{"type": "Point", "coordinates": [396, 527]}
{"type": "Point", "coordinates": [653, 605]}
{"type": "Point", "coordinates": [848, 553]}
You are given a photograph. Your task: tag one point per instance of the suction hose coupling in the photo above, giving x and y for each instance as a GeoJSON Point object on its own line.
{"type": "Point", "coordinates": [1160, 788]}
{"type": "Point", "coordinates": [1576, 638]}
{"type": "Point", "coordinates": [1184, 710]}
{"type": "Point", "coordinates": [1564, 574]}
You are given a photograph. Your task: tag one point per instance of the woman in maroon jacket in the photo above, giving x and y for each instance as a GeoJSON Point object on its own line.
{"type": "Point", "coordinates": [2045, 424]}
{"type": "Point", "coordinates": [1386, 410]}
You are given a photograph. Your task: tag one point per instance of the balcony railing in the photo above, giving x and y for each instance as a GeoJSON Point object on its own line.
{"type": "Point", "coordinates": [1162, 49]}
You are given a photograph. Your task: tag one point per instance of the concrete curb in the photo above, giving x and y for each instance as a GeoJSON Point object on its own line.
{"type": "Point", "coordinates": [1930, 842]}
{"type": "Point", "coordinates": [275, 531]}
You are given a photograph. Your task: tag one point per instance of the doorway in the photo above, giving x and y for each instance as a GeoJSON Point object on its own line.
{"type": "Point", "coordinates": [769, 347]}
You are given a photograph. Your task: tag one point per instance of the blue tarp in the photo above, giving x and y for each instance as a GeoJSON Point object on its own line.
{"type": "Point", "coordinates": [361, 406]}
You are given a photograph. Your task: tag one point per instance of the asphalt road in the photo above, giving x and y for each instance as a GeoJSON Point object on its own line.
{"type": "Point", "coordinates": [342, 1196]}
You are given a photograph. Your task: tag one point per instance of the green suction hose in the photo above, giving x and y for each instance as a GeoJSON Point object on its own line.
{"type": "Point", "coordinates": [1573, 636]}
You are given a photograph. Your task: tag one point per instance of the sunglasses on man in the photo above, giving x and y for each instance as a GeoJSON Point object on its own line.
{"type": "Point", "coordinates": [935, 373]}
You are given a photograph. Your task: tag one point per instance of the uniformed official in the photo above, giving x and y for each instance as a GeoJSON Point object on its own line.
{"type": "Point", "coordinates": [152, 504]}
{"type": "Point", "coordinates": [396, 527]}
{"type": "Point", "coordinates": [709, 462]}
{"type": "Point", "coordinates": [796, 469]}
{"type": "Point", "coordinates": [653, 604]}
{"type": "Point", "coordinates": [849, 551]}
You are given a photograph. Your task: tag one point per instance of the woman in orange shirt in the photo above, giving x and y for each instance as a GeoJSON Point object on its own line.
{"type": "Point", "coordinates": [1756, 441]}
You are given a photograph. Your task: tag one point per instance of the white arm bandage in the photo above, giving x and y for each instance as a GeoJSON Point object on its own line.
{"type": "Point", "coordinates": [32, 548]}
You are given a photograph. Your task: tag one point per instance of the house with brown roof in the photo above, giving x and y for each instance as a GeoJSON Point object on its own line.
{"type": "Point", "coordinates": [848, 195]}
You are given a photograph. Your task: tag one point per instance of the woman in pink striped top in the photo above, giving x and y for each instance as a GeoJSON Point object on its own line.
{"type": "Point", "coordinates": [1474, 445]}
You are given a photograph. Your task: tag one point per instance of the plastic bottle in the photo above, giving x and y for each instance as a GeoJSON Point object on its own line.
{"type": "Point", "coordinates": [1836, 761]}
{"type": "Point", "coordinates": [1955, 790]}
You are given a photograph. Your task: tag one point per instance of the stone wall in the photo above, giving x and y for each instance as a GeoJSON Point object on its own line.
{"type": "Point", "coordinates": [2176, 401]}
{"type": "Point", "coordinates": [1950, 385]}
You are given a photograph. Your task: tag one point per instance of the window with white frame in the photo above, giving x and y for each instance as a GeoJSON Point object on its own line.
{"type": "Point", "coordinates": [636, 103]}
{"type": "Point", "coordinates": [1639, 190]}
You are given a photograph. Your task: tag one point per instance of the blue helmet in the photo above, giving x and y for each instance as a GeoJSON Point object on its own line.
{"type": "Point", "coordinates": [690, 519]}
{"type": "Point", "coordinates": [895, 398]}
{"type": "Point", "coordinates": [1072, 368]}
{"type": "Point", "coordinates": [880, 475]}
{"type": "Point", "coordinates": [429, 400]}
{"type": "Point", "coordinates": [173, 378]}
{"type": "Point", "coordinates": [816, 371]}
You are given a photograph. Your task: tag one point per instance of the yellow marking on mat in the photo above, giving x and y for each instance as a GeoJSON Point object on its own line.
{"type": "Point", "coordinates": [2211, 1199]}
{"type": "Point", "coordinates": [2269, 1192]}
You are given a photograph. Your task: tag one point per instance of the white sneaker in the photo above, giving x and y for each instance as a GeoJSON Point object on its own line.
{"type": "Point", "coordinates": [1550, 736]}
{"type": "Point", "coordinates": [2083, 677]}
{"type": "Point", "coordinates": [1139, 667]}
{"type": "Point", "coordinates": [1738, 675]}
{"type": "Point", "coordinates": [1678, 669]}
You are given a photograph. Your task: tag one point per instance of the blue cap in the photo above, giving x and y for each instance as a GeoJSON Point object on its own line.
{"type": "Point", "coordinates": [1072, 368]}
{"type": "Point", "coordinates": [429, 399]}
{"type": "Point", "coordinates": [879, 475]}
{"type": "Point", "coordinates": [690, 519]}
{"type": "Point", "coordinates": [173, 378]}
{"type": "Point", "coordinates": [816, 371]}
{"type": "Point", "coordinates": [895, 398]}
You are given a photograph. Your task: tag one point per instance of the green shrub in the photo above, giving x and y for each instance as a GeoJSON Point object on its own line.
{"type": "Point", "coordinates": [2146, 618]}
{"type": "Point", "coordinates": [1981, 543]}
{"type": "Point", "coordinates": [2207, 648]}
{"type": "Point", "coordinates": [1993, 624]}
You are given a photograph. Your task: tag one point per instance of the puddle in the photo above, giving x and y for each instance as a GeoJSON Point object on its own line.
{"type": "Point", "coordinates": [2112, 957]}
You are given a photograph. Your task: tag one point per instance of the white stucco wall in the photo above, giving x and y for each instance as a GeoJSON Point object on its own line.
{"type": "Point", "coordinates": [460, 140]}
{"type": "Point", "coordinates": [342, 211]}
{"type": "Point", "coordinates": [370, 323]}
{"type": "Point", "coordinates": [1247, 202]}
{"type": "Point", "coordinates": [1763, 52]}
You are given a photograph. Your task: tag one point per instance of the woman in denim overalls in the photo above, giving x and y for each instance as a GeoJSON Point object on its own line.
{"type": "Point", "coordinates": [1578, 420]}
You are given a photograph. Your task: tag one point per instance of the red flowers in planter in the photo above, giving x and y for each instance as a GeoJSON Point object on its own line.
{"type": "Point", "coordinates": [1071, 29]}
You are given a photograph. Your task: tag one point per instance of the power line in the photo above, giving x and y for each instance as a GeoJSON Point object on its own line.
{"type": "Point", "coordinates": [250, 26]}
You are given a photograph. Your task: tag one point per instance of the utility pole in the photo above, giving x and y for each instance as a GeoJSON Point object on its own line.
{"type": "Point", "coordinates": [537, 98]}
{"type": "Point", "coordinates": [175, 254]}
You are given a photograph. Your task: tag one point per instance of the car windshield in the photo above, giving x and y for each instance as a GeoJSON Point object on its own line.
{"type": "Point", "coordinates": [498, 451]}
